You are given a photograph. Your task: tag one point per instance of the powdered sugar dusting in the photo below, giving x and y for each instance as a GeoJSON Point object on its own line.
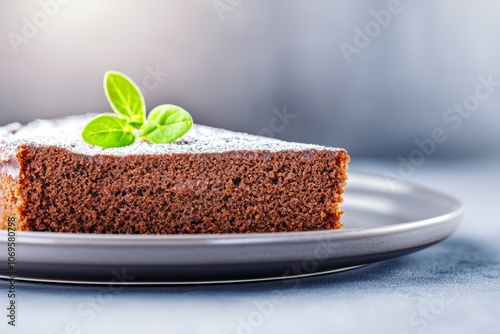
{"type": "Point", "coordinates": [66, 133]}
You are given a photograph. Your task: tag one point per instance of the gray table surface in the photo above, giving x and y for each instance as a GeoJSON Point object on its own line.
{"type": "Point", "coordinates": [452, 287]}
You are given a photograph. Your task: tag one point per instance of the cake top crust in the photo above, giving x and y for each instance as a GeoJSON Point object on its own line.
{"type": "Point", "coordinates": [66, 133]}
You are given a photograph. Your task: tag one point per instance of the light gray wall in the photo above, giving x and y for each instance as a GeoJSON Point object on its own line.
{"type": "Point", "coordinates": [264, 55]}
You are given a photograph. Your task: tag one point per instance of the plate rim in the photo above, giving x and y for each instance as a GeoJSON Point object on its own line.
{"type": "Point", "coordinates": [442, 224]}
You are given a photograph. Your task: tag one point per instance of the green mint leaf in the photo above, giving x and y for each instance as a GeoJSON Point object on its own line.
{"type": "Point", "coordinates": [125, 98]}
{"type": "Point", "coordinates": [166, 124]}
{"type": "Point", "coordinates": [108, 131]}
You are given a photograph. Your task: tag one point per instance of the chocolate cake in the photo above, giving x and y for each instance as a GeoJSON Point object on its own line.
{"type": "Point", "coordinates": [209, 181]}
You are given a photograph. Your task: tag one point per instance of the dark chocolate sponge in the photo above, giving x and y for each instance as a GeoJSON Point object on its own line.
{"type": "Point", "coordinates": [209, 181]}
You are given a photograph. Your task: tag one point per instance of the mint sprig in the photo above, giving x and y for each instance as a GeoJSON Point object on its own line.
{"type": "Point", "coordinates": [165, 124]}
{"type": "Point", "coordinates": [109, 131]}
{"type": "Point", "coordinates": [125, 98]}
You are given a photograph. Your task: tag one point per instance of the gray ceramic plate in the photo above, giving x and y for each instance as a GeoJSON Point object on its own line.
{"type": "Point", "coordinates": [382, 221]}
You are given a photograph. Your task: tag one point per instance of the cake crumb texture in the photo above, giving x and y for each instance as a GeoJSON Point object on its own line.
{"type": "Point", "coordinates": [181, 191]}
{"type": "Point", "coordinates": [240, 192]}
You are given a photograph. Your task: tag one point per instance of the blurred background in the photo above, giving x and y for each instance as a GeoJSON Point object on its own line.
{"type": "Point", "coordinates": [402, 82]}
{"type": "Point", "coordinates": [371, 76]}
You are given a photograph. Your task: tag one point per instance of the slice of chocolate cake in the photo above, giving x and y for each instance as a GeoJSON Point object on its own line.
{"type": "Point", "coordinates": [210, 181]}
